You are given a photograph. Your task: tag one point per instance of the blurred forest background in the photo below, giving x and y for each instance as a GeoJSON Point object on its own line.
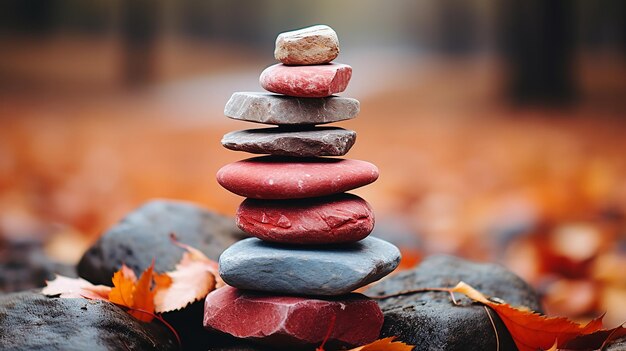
{"type": "Point", "coordinates": [498, 126]}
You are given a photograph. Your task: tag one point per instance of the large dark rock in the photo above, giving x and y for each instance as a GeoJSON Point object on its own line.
{"type": "Point", "coordinates": [144, 235]}
{"type": "Point", "coordinates": [225, 342]}
{"type": "Point", "coordinates": [433, 322]}
{"type": "Point", "coordinates": [32, 321]}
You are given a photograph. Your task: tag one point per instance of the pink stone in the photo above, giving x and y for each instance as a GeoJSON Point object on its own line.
{"type": "Point", "coordinates": [332, 219]}
{"type": "Point", "coordinates": [293, 321]}
{"type": "Point", "coordinates": [306, 81]}
{"type": "Point", "coordinates": [273, 177]}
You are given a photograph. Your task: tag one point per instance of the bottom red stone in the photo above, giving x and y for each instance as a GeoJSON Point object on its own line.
{"type": "Point", "coordinates": [284, 321]}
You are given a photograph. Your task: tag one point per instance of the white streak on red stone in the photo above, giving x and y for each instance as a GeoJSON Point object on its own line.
{"type": "Point", "coordinates": [327, 176]}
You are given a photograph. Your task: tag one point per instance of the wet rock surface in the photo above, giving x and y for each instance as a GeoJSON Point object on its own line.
{"type": "Point", "coordinates": [32, 321]}
{"type": "Point", "coordinates": [432, 321]}
{"type": "Point", "coordinates": [144, 235]}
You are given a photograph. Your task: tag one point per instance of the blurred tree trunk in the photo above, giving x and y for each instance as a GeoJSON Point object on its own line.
{"type": "Point", "coordinates": [28, 16]}
{"type": "Point", "coordinates": [139, 36]}
{"type": "Point", "coordinates": [538, 40]}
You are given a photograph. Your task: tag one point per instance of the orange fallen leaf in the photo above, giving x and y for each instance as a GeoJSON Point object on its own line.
{"type": "Point", "coordinates": [553, 348]}
{"type": "Point", "coordinates": [531, 331]}
{"type": "Point", "coordinates": [597, 340]}
{"type": "Point", "coordinates": [137, 294]}
{"type": "Point", "coordinates": [385, 344]}
{"type": "Point", "coordinates": [123, 285]}
{"type": "Point", "coordinates": [75, 288]}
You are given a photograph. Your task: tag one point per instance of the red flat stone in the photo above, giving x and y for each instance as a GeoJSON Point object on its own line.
{"type": "Point", "coordinates": [333, 219]}
{"type": "Point", "coordinates": [272, 177]}
{"type": "Point", "coordinates": [306, 81]}
{"type": "Point", "coordinates": [293, 321]}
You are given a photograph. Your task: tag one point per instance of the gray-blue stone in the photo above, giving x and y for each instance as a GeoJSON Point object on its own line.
{"type": "Point", "coordinates": [257, 265]}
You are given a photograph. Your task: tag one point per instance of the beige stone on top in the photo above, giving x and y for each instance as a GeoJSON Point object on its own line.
{"type": "Point", "coordinates": [307, 46]}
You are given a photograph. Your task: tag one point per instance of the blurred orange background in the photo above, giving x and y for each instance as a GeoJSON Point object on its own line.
{"type": "Point", "coordinates": [498, 127]}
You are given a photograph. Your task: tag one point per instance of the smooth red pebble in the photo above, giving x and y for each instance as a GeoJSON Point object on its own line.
{"type": "Point", "coordinates": [275, 178]}
{"type": "Point", "coordinates": [306, 81]}
{"type": "Point", "coordinates": [288, 321]}
{"type": "Point", "coordinates": [340, 218]}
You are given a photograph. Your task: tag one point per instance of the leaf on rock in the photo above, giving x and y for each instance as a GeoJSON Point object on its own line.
{"type": "Point", "coordinates": [597, 340]}
{"type": "Point", "coordinates": [143, 296]}
{"type": "Point", "coordinates": [137, 294]}
{"type": "Point", "coordinates": [531, 331]}
{"type": "Point", "coordinates": [553, 348]}
{"type": "Point", "coordinates": [192, 280]}
{"type": "Point", "coordinates": [197, 256]}
{"type": "Point", "coordinates": [75, 288]}
{"type": "Point", "coordinates": [386, 344]}
{"type": "Point", "coordinates": [123, 286]}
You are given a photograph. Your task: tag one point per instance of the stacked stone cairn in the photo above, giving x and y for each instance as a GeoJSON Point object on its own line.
{"type": "Point", "coordinates": [292, 283]}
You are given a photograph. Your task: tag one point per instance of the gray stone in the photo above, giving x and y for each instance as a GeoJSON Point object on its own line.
{"type": "Point", "coordinates": [253, 264]}
{"type": "Point", "coordinates": [432, 321]}
{"type": "Point", "coordinates": [144, 235]}
{"type": "Point", "coordinates": [317, 141]}
{"type": "Point", "coordinates": [285, 110]}
{"type": "Point", "coordinates": [32, 321]}
{"type": "Point", "coordinates": [307, 46]}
